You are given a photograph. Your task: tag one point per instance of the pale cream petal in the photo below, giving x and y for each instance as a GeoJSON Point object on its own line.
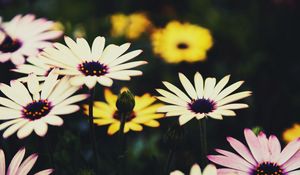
{"type": "Point", "coordinates": [21, 91]}
{"type": "Point", "coordinates": [77, 80]}
{"type": "Point", "coordinates": [228, 90]}
{"type": "Point", "coordinates": [169, 108]}
{"type": "Point", "coordinates": [179, 112]}
{"type": "Point", "coordinates": [215, 116]}
{"type": "Point", "coordinates": [188, 86]}
{"type": "Point", "coordinates": [64, 110]}
{"type": "Point", "coordinates": [170, 96]}
{"type": "Point", "coordinates": [225, 112]}
{"type": "Point", "coordinates": [97, 48]}
{"type": "Point", "coordinates": [40, 128]}
{"type": "Point", "coordinates": [177, 91]}
{"type": "Point", "coordinates": [26, 130]}
{"type": "Point", "coordinates": [234, 97]}
{"type": "Point", "coordinates": [9, 123]}
{"type": "Point", "coordinates": [105, 81]}
{"type": "Point", "coordinates": [84, 48]}
{"type": "Point", "coordinates": [12, 129]}
{"type": "Point", "coordinates": [53, 120]}
{"type": "Point", "coordinates": [49, 84]}
{"type": "Point", "coordinates": [210, 170]}
{"type": "Point", "coordinates": [73, 99]}
{"type": "Point", "coordinates": [8, 113]}
{"type": "Point", "coordinates": [183, 119]}
{"type": "Point", "coordinates": [126, 57]}
{"type": "Point", "coordinates": [234, 106]}
{"type": "Point", "coordinates": [176, 173]}
{"type": "Point", "coordinates": [195, 170]}
{"type": "Point", "coordinates": [8, 103]}
{"type": "Point", "coordinates": [221, 84]}
{"type": "Point", "coordinates": [113, 55]}
{"type": "Point", "coordinates": [34, 86]}
{"type": "Point", "coordinates": [90, 81]}
{"type": "Point", "coordinates": [15, 162]}
{"type": "Point", "coordinates": [209, 86]}
{"type": "Point", "coordinates": [198, 81]}
{"type": "Point", "coordinates": [127, 66]}
{"type": "Point", "coordinates": [167, 100]}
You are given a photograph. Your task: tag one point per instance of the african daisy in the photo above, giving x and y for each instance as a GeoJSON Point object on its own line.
{"type": "Point", "coordinates": [263, 157]}
{"type": "Point", "coordinates": [33, 108]}
{"type": "Point", "coordinates": [16, 167]}
{"type": "Point", "coordinates": [25, 36]}
{"type": "Point", "coordinates": [105, 113]}
{"type": "Point", "coordinates": [91, 65]}
{"type": "Point", "coordinates": [196, 170]}
{"type": "Point", "coordinates": [204, 98]}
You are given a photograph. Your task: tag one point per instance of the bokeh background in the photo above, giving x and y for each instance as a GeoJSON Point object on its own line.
{"type": "Point", "coordinates": [256, 41]}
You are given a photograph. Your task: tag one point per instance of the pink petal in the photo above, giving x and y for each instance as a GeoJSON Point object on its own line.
{"type": "Point", "coordinates": [234, 157]}
{"type": "Point", "coordinates": [15, 162]}
{"type": "Point", "coordinates": [227, 171]}
{"type": "Point", "coordinates": [2, 162]}
{"type": "Point", "coordinates": [275, 148]}
{"type": "Point", "coordinates": [45, 172]}
{"type": "Point", "coordinates": [293, 163]}
{"type": "Point", "coordinates": [228, 162]}
{"type": "Point", "coordinates": [242, 150]}
{"type": "Point", "coordinates": [262, 138]}
{"type": "Point", "coordinates": [289, 151]}
{"type": "Point", "coordinates": [253, 144]}
{"type": "Point", "coordinates": [27, 165]}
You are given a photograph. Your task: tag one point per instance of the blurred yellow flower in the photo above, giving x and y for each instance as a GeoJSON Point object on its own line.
{"type": "Point", "coordinates": [291, 133]}
{"type": "Point", "coordinates": [179, 42]}
{"type": "Point", "coordinates": [106, 113]}
{"type": "Point", "coordinates": [131, 26]}
{"type": "Point", "coordinates": [58, 26]}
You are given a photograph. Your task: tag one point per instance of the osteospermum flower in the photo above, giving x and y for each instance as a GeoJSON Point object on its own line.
{"type": "Point", "coordinates": [33, 108]}
{"type": "Point", "coordinates": [204, 98]}
{"type": "Point", "coordinates": [263, 156]}
{"type": "Point", "coordinates": [131, 26]}
{"type": "Point", "coordinates": [25, 36]}
{"type": "Point", "coordinates": [105, 113]}
{"type": "Point", "coordinates": [35, 66]}
{"type": "Point", "coordinates": [179, 42]}
{"type": "Point", "coordinates": [291, 133]}
{"type": "Point", "coordinates": [91, 65]}
{"type": "Point", "coordinates": [196, 170]}
{"type": "Point", "coordinates": [16, 167]}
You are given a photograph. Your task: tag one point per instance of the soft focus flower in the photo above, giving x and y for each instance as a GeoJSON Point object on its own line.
{"type": "Point", "coordinates": [16, 167]}
{"type": "Point", "coordinates": [35, 66]}
{"type": "Point", "coordinates": [179, 42]}
{"type": "Point", "coordinates": [25, 36]}
{"type": "Point", "coordinates": [91, 65]}
{"type": "Point", "coordinates": [195, 170]}
{"type": "Point", "coordinates": [291, 133]}
{"type": "Point", "coordinates": [204, 98]}
{"type": "Point", "coordinates": [131, 26]}
{"type": "Point", "coordinates": [263, 157]}
{"type": "Point", "coordinates": [106, 113]}
{"type": "Point", "coordinates": [33, 108]}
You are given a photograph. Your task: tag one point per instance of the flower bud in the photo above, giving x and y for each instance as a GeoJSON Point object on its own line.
{"type": "Point", "coordinates": [125, 102]}
{"type": "Point", "coordinates": [257, 130]}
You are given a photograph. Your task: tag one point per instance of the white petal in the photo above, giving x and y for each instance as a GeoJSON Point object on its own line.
{"type": "Point", "coordinates": [45, 172]}
{"type": "Point", "coordinates": [73, 99]}
{"type": "Point", "coordinates": [84, 48]}
{"type": "Point", "coordinates": [12, 129]}
{"type": "Point", "coordinates": [127, 66]}
{"type": "Point", "coordinates": [26, 130]}
{"type": "Point", "coordinates": [17, 59]}
{"type": "Point", "coordinates": [105, 81]}
{"type": "Point", "coordinates": [40, 128]}
{"type": "Point", "coordinates": [49, 84]}
{"type": "Point", "coordinates": [167, 100]}
{"type": "Point", "coordinates": [126, 57]}
{"type": "Point", "coordinates": [215, 116]}
{"type": "Point", "coordinates": [195, 170]}
{"type": "Point", "coordinates": [210, 170]}
{"type": "Point", "coordinates": [53, 120]}
{"type": "Point", "coordinates": [15, 162]}
{"type": "Point", "coordinates": [234, 97]}
{"type": "Point", "coordinates": [77, 80]}
{"type": "Point", "coordinates": [33, 86]}
{"type": "Point", "coordinates": [67, 93]}
{"type": "Point", "coordinates": [97, 48]}
{"type": "Point", "coordinates": [8, 113]}
{"type": "Point", "coordinates": [90, 81]}
{"type": "Point", "coordinates": [225, 112]}
{"type": "Point", "coordinates": [170, 96]}
{"type": "Point", "coordinates": [168, 108]}
{"type": "Point", "coordinates": [221, 84]}
{"type": "Point", "coordinates": [228, 90]}
{"type": "Point", "coordinates": [183, 119]}
{"type": "Point", "coordinates": [27, 165]}
{"type": "Point", "coordinates": [188, 86]}
{"type": "Point", "coordinates": [209, 86]}
{"type": "Point", "coordinates": [2, 162]}
{"type": "Point", "coordinates": [234, 106]}
{"type": "Point", "coordinates": [8, 103]}
{"type": "Point", "coordinates": [176, 173]}
{"type": "Point", "coordinates": [177, 91]}
{"type": "Point", "coordinates": [9, 123]}
{"type": "Point", "coordinates": [64, 110]}
{"type": "Point", "coordinates": [198, 81]}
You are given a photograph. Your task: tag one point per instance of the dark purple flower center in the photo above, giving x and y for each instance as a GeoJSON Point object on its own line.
{"type": "Point", "coordinates": [9, 44]}
{"type": "Point", "coordinates": [36, 109]}
{"type": "Point", "coordinates": [129, 118]}
{"type": "Point", "coordinates": [93, 68]}
{"type": "Point", "coordinates": [202, 106]}
{"type": "Point", "coordinates": [267, 168]}
{"type": "Point", "coordinates": [182, 46]}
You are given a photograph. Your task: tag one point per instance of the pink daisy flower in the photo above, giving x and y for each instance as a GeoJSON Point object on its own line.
{"type": "Point", "coordinates": [25, 36]}
{"type": "Point", "coordinates": [263, 156]}
{"type": "Point", "coordinates": [16, 167]}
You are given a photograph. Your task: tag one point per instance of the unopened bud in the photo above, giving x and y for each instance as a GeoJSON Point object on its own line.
{"type": "Point", "coordinates": [125, 102]}
{"type": "Point", "coordinates": [257, 130]}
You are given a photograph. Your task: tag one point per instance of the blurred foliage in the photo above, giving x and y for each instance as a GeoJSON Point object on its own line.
{"type": "Point", "coordinates": [257, 41]}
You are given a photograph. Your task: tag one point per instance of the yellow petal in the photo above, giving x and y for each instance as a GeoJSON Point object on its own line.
{"type": "Point", "coordinates": [150, 109]}
{"type": "Point", "coordinates": [152, 123]}
{"type": "Point", "coordinates": [146, 118]}
{"type": "Point", "coordinates": [113, 128]}
{"type": "Point", "coordinates": [143, 101]}
{"type": "Point", "coordinates": [110, 97]}
{"type": "Point", "coordinates": [134, 126]}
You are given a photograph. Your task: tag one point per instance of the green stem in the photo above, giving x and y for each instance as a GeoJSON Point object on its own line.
{"type": "Point", "coordinates": [92, 129]}
{"type": "Point", "coordinates": [122, 136]}
{"type": "Point", "coordinates": [169, 161]}
{"type": "Point", "coordinates": [203, 139]}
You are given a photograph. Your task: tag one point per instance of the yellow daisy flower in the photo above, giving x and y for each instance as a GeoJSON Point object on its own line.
{"type": "Point", "coordinates": [291, 133]}
{"type": "Point", "coordinates": [106, 113]}
{"type": "Point", "coordinates": [131, 26]}
{"type": "Point", "coordinates": [179, 42]}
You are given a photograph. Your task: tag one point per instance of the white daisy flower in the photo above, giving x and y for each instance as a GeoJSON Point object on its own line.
{"type": "Point", "coordinates": [17, 167]}
{"type": "Point", "coordinates": [33, 108]}
{"type": "Point", "coordinates": [196, 170]}
{"type": "Point", "coordinates": [25, 36]}
{"type": "Point", "coordinates": [34, 66]}
{"type": "Point", "coordinates": [204, 98]}
{"type": "Point", "coordinates": [91, 65]}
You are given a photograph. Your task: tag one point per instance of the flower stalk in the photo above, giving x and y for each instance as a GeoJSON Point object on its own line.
{"type": "Point", "coordinates": [92, 129]}
{"type": "Point", "coordinates": [203, 139]}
